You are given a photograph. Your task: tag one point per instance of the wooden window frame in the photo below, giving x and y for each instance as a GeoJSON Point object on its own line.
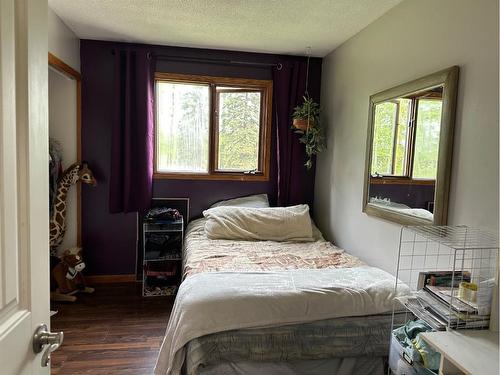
{"type": "Point", "coordinates": [265, 87]}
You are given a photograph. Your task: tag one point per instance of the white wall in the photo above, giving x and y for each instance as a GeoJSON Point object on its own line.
{"type": "Point", "coordinates": [65, 45]}
{"type": "Point", "coordinates": [62, 127]}
{"type": "Point", "coordinates": [415, 38]}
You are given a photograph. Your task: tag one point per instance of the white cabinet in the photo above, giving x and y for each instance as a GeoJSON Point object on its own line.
{"type": "Point", "coordinates": [467, 352]}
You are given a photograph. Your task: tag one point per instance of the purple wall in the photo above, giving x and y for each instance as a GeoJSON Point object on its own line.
{"type": "Point", "coordinates": [109, 240]}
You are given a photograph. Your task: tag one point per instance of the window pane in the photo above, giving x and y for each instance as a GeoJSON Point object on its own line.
{"type": "Point", "coordinates": [182, 127]}
{"type": "Point", "coordinates": [239, 130]}
{"type": "Point", "coordinates": [402, 137]}
{"type": "Point", "coordinates": [383, 138]}
{"type": "Point", "coordinates": [427, 138]}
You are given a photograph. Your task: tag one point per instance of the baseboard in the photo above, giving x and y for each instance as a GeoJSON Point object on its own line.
{"type": "Point", "coordinates": [108, 279]}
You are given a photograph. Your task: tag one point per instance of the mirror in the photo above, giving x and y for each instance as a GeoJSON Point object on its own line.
{"type": "Point", "coordinates": [409, 150]}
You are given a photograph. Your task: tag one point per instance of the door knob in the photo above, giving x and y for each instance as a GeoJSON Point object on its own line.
{"type": "Point", "coordinates": [42, 338]}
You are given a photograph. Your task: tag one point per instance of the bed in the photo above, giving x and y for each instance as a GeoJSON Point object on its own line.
{"type": "Point", "coordinates": [420, 213]}
{"type": "Point", "coordinates": [268, 307]}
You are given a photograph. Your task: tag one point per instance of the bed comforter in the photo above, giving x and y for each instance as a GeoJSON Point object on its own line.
{"type": "Point", "coordinates": [232, 285]}
{"type": "Point", "coordinates": [204, 255]}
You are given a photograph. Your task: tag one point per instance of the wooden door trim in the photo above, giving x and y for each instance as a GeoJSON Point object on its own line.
{"type": "Point", "coordinates": [71, 73]}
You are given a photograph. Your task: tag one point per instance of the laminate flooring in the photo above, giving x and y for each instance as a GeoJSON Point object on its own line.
{"type": "Point", "coordinates": [114, 331]}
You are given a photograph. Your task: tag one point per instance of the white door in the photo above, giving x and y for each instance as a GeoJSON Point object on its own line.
{"type": "Point", "coordinates": [24, 259]}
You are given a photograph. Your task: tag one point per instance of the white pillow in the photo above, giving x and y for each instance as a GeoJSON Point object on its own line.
{"type": "Point", "coordinates": [256, 201]}
{"type": "Point", "coordinates": [259, 224]}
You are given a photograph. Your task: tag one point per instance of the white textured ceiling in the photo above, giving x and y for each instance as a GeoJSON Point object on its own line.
{"type": "Point", "coordinates": [271, 26]}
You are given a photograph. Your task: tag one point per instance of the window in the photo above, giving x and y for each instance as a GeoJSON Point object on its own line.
{"type": "Point", "coordinates": [406, 136]}
{"type": "Point", "coordinates": [427, 138]}
{"type": "Point", "coordinates": [212, 128]}
{"type": "Point", "coordinates": [391, 137]}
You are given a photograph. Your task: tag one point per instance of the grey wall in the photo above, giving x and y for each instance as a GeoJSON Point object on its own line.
{"type": "Point", "coordinates": [63, 43]}
{"type": "Point", "coordinates": [415, 38]}
{"type": "Point", "coordinates": [62, 127]}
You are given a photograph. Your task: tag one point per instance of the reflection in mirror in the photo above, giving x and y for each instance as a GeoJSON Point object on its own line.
{"type": "Point", "coordinates": [409, 150]}
{"type": "Point", "coordinates": [405, 152]}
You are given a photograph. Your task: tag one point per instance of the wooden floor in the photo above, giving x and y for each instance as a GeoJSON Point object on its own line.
{"type": "Point", "coordinates": [113, 331]}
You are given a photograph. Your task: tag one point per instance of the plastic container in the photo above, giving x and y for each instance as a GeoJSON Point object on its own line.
{"type": "Point", "coordinates": [401, 364]}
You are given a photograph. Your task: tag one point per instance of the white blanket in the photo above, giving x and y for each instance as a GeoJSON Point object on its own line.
{"type": "Point", "coordinates": [213, 302]}
{"type": "Point", "coordinates": [259, 224]}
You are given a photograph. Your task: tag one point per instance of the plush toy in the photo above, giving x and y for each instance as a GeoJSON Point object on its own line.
{"type": "Point", "coordinates": [75, 173]}
{"type": "Point", "coordinates": [68, 277]}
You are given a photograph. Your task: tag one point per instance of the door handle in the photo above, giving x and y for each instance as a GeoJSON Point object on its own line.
{"type": "Point", "coordinates": [42, 338]}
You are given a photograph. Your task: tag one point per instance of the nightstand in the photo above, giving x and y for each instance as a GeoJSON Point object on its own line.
{"type": "Point", "coordinates": [471, 352]}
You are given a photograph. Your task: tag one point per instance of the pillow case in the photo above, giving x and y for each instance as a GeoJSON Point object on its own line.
{"type": "Point", "coordinates": [259, 224]}
{"type": "Point", "coordinates": [256, 201]}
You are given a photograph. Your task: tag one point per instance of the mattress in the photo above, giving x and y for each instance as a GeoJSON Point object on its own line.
{"type": "Point", "coordinates": [331, 366]}
{"type": "Point", "coordinates": [350, 337]}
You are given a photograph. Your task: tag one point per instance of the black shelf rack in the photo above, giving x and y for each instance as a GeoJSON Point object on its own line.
{"type": "Point", "coordinates": [162, 257]}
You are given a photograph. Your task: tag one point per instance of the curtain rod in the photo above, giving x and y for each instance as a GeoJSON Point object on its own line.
{"type": "Point", "coordinates": [278, 66]}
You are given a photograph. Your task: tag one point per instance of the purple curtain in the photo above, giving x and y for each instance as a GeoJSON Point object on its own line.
{"type": "Point", "coordinates": [295, 182]}
{"type": "Point", "coordinates": [131, 174]}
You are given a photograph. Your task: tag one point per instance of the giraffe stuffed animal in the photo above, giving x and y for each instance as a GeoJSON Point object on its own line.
{"type": "Point", "coordinates": [62, 268]}
{"type": "Point", "coordinates": [75, 173]}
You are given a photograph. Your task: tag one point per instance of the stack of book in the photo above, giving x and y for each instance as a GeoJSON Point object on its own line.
{"type": "Point", "coordinates": [438, 302]}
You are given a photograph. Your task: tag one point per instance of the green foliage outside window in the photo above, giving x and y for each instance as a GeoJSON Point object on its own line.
{"type": "Point", "coordinates": [239, 130]}
{"type": "Point", "coordinates": [183, 117]}
{"type": "Point", "coordinates": [427, 139]}
{"type": "Point", "coordinates": [383, 138]}
{"type": "Point", "coordinates": [391, 138]}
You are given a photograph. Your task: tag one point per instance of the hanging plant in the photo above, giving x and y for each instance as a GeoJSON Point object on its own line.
{"type": "Point", "coordinates": [306, 124]}
{"type": "Point", "coordinates": [307, 115]}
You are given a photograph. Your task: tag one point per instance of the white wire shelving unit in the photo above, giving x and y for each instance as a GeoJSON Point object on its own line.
{"type": "Point", "coordinates": [433, 262]}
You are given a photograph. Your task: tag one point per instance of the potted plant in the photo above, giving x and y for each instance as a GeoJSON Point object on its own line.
{"type": "Point", "coordinates": [306, 124]}
{"type": "Point", "coordinates": [307, 115]}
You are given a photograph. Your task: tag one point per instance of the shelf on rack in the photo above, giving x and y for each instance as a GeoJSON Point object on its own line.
{"type": "Point", "coordinates": [457, 237]}
{"type": "Point", "coordinates": [163, 259]}
{"type": "Point", "coordinates": [162, 256]}
{"type": "Point", "coordinates": [438, 263]}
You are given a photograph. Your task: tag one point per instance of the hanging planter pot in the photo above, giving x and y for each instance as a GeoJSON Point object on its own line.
{"type": "Point", "coordinates": [306, 115]}
{"type": "Point", "coordinates": [303, 124]}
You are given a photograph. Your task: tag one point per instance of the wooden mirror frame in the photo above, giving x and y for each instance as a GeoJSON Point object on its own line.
{"type": "Point", "coordinates": [448, 79]}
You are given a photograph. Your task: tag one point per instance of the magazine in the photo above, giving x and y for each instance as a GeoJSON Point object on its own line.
{"type": "Point", "coordinates": [439, 315]}
{"type": "Point", "coordinates": [445, 294]}
{"type": "Point", "coordinates": [442, 278]}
